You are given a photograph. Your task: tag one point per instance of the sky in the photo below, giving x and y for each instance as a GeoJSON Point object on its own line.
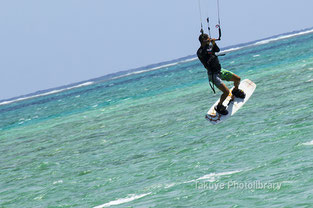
{"type": "Point", "coordinates": [50, 43]}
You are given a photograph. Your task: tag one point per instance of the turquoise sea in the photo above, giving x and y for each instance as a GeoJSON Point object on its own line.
{"type": "Point", "coordinates": [141, 139]}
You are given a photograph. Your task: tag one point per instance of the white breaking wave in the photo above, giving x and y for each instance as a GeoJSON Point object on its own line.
{"type": "Point", "coordinates": [233, 49]}
{"type": "Point", "coordinates": [308, 143]}
{"type": "Point", "coordinates": [130, 198]}
{"type": "Point", "coordinates": [267, 41]}
{"type": "Point", "coordinates": [282, 37]}
{"type": "Point", "coordinates": [46, 93]}
{"type": "Point", "coordinates": [146, 70]}
{"type": "Point", "coordinates": [213, 176]}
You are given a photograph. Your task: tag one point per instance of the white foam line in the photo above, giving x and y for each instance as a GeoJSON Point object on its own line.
{"type": "Point", "coordinates": [212, 176]}
{"type": "Point", "coordinates": [146, 70]}
{"type": "Point", "coordinates": [189, 60]}
{"type": "Point", "coordinates": [233, 49]}
{"type": "Point", "coordinates": [156, 68]}
{"type": "Point", "coordinates": [267, 41]}
{"type": "Point", "coordinates": [283, 37]}
{"type": "Point", "coordinates": [46, 93]}
{"type": "Point", "coordinates": [131, 197]}
{"type": "Point", "coordinates": [308, 143]}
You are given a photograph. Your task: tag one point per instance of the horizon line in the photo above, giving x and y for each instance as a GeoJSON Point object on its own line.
{"type": "Point", "coordinates": [158, 65]}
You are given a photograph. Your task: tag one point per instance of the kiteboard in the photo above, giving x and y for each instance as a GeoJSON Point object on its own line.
{"type": "Point", "coordinates": [232, 106]}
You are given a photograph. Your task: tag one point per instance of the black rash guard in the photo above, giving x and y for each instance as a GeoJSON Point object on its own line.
{"type": "Point", "coordinates": [208, 58]}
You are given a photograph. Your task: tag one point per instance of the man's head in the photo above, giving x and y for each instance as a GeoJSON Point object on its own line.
{"type": "Point", "coordinates": [203, 37]}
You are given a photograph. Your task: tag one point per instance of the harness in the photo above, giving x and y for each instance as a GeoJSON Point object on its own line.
{"type": "Point", "coordinates": [212, 75]}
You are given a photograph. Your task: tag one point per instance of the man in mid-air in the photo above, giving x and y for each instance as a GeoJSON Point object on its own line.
{"type": "Point", "coordinates": [206, 54]}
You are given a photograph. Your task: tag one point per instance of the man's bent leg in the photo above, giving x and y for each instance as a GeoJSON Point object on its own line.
{"type": "Point", "coordinates": [220, 108]}
{"type": "Point", "coordinates": [220, 85]}
{"type": "Point", "coordinates": [225, 91]}
{"type": "Point", "coordinates": [236, 91]}
{"type": "Point", "coordinates": [236, 79]}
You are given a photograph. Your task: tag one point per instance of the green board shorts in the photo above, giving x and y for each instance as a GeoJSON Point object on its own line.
{"type": "Point", "coordinates": [222, 75]}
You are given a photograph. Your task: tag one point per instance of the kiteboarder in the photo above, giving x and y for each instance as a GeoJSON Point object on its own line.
{"type": "Point", "coordinates": [207, 56]}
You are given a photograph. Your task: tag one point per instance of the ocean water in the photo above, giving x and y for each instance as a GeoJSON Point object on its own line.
{"type": "Point", "coordinates": [141, 140]}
